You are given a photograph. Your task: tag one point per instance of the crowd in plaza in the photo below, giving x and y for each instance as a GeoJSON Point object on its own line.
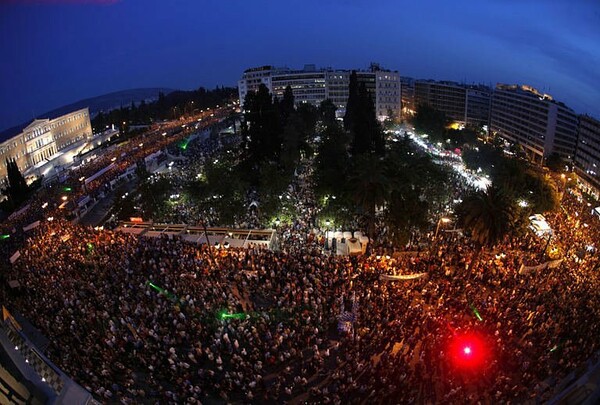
{"type": "Point", "coordinates": [159, 320]}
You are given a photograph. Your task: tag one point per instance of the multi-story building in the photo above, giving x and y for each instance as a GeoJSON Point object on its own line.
{"type": "Point", "coordinates": [312, 85]}
{"type": "Point", "coordinates": [337, 88]}
{"type": "Point", "coordinates": [477, 106]}
{"type": "Point", "coordinates": [388, 97]}
{"type": "Point", "coordinates": [542, 126]}
{"type": "Point", "coordinates": [45, 140]}
{"type": "Point", "coordinates": [587, 155]}
{"type": "Point", "coordinates": [448, 97]}
{"type": "Point", "coordinates": [407, 85]}
{"type": "Point", "coordinates": [466, 104]}
{"type": "Point", "coordinates": [252, 79]}
{"type": "Point", "coordinates": [308, 85]}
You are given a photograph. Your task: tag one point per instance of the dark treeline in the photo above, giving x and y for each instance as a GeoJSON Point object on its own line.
{"type": "Point", "coordinates": [168, 106]}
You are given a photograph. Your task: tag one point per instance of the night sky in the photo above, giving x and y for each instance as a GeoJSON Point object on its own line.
{"type": "Point", "coordinates": [55, 52]}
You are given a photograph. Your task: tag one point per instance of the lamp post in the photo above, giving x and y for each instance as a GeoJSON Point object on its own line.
{"type": "Point", "coordinates": [327, 223]}
{"type": "Point", "coordinates": [437, 229]}
{"type": "Point", "coordinates": [546, 246]}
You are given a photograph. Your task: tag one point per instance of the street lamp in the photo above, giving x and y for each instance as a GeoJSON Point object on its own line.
{"type": "Point", "coordinates": [437, 229]}
{"type": "Point", "coordinates": [546, 246]}
{"type": "Point", "coordinates": [327, 223]}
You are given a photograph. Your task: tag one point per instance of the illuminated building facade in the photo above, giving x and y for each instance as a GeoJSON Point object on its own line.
{"type": "Point", "coordinates": [312, 85]}
{"type": "Point", "coordinates": [542, 126]}
{"type": "Point", "coordinates": [45, 140]}
{"type": "Point", "coordinates": [587, 155]}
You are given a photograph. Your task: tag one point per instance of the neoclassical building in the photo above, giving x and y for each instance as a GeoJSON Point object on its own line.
{"type": "Point", "coordinates": [44, 141]}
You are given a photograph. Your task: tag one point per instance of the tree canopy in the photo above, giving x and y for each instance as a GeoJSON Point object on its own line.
{"type": "Point", "coordinates": [366, 134]}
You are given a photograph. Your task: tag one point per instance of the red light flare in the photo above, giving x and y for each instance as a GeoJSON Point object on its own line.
{"type": "Point", "coordinates": [468, 351]}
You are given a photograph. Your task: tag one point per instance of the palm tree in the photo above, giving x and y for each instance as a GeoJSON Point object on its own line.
{"type": "Point", "coordinates": [369, 187]}
{"type": "Point", "coordinates": [488, 215]}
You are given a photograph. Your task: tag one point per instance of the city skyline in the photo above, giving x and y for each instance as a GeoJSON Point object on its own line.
{"type": "Point", "coordinates": [63, 51]}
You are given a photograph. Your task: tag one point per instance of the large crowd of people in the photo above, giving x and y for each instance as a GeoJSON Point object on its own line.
{"type": "Point", "coordinates": [159, 320]}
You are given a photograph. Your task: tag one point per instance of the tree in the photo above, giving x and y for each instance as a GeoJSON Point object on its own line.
{"type": "Point", "coordinates": [360, 121]}
{"type": "Point", "coordinates": [261, 130]}
{"type": "Point", "coordinates": [369, 187]}
{"type": "Point", "coordinates": [17, 186]}
{"type": "Point", "coordinates": [287, 105]}
{"type": "Point", "coordinates": [488, 215]}
{"type": "Point", "coordinates": [292, 136]}
{"type": "Point", "coordinates": [327, 113]}
{"type": "Point", "coordinates": [307, 116]}
{"type": "Point", "coordinates": [428, 120]}
{"type": "Point", "coordinates": [418, 186]}
{"type": "Point", "coordinates": [352, 104]}
{"type": "Point", "coordinates": [390, 120]}
{"type": "Point", "coordinates": [555, 162]}
{"type": "Point", "coordinates": [332, 161]}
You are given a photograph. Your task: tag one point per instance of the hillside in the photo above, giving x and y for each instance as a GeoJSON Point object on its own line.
{"type": "Point", "coordinates": [95, 104]}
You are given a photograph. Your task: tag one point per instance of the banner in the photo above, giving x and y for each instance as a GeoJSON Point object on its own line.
{"type": "Point", "coordinates": [17, 213]}
{"type": "Point", "coordinates": [14, 257]}
{"type": "Point", "coordinates": [411, 253]}
{"type": "Point", "coordinates": [550, 265]}
{"type": "Point", "coordinates": [31, 226]}
{"type": "Point", "coordinates": [389, 277]}
{"type": "Point", "coordinates": [99, 173]}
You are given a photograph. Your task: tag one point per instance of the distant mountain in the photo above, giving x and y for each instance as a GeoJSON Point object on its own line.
{"type": "Point", "coordinates": [105, 102]}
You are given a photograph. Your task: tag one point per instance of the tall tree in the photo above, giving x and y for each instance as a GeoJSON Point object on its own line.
{"type": "Point", "coordinates": [292, 137]}
{"type": "Point", "coordinates": [261, 131]}
{"type": "Point", "coordinates": [369, 187]}
{"type": "Point", "coordinates": [307, 116]}
{"type": "Point", "coordinates": [488, 215]}
{"type": "Point", "coordinates": [360, 121]}
{"type": "Point", "coordinates": [430, 121]}
{"type": "Point", "coordinates": [418, 187]}
{"type": "Point", "coordinates": [327, 113]}
{"type": "Point", "coordinates": [17, 186]}
{"type": "Point", "coordinates": [332, 161]}
{"type": "Point", "coordinates": [287, 105]}
{"type": "Point", "coordinates": [352, 103]}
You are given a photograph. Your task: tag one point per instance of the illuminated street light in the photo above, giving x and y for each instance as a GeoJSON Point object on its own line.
{"type": "Point", "coordinates": [64, 198]}
{"type": "Point", "coordinates": [442, 220]}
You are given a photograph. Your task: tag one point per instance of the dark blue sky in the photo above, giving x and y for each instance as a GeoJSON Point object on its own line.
{"type": "Point", "coordinates": [55, 52]}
